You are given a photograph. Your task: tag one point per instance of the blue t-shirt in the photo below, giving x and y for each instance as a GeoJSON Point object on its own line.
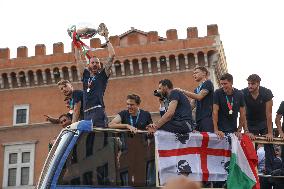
{"type": "Point", "coordinates": [183, 109]}
{"type": "Point", "coordinates": [204, 107]}
{"type": "Point", "coordinates": [144, 119]}
{"type": "Point", "coordinates": [94, 88]}
{"type": "Point", "coordinates": [77, 96]}
{"type": "Point", "coordinates": [228, 122]}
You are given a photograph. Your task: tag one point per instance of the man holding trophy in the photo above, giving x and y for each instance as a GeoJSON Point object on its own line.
{"type": "Point", "coordinates": [94, 76]}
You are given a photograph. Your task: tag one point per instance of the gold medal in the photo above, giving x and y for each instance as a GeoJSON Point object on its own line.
{"type": "Point", "coordinates": [88, 90]}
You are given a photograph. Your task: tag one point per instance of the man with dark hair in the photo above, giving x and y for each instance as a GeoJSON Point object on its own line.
{"type": "Point", "coordinates": [95, 79]}
{"type": "Point", "coordinates": [64, 120]}
{"type": "Point", "coordinates": [202, 99]}
{"type": "Point", "coordinates": [133, 118]}
{"type": "Point", "coordinates": [259, 103]}
{"type": "Point", "coordinates": [74, 98]}
{"type": "Point", "coordinates": [228, 102]}
{"type": "Point", "coordinates": [178, 118]}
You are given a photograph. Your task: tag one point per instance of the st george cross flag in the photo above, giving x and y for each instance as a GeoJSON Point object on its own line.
{"type": "Point", "coordinates": [199, 156]}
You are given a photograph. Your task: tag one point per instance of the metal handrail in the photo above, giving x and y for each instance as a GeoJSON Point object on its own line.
{"type": "Point", "coordinates": [262, 140]}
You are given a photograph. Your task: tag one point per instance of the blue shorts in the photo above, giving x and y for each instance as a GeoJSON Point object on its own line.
{"type": "Point", "coordinates": [98, 117]}
{"type": "Point", "coordinates": [181, 127]}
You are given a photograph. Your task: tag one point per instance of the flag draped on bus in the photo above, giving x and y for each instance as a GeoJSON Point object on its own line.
{"type": "Point", "coordinates": [199, 156]}
{"type": "Point", "coordinates": [242, 174]}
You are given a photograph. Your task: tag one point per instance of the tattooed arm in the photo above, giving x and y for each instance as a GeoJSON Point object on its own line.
{"type": "Point", "coordinates": [111, 55]}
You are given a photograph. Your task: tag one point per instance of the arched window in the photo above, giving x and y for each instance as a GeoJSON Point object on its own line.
{"type": "Point", "coordinates": [201, 59]}
{"type": "Point", "coordinates": [136, 67]}
{"type": "Point", "coordinates": [181, 62]}
{"type": "Point", "coordinates": [48, 76]}
{"type": "Point", "coordinates": [74, 73]}
{"type": "Point", "coordinates": [163, 64]}
{"type": "Point", "coordinates": [39, 77]}
{"type": "Point", "coordinates": [173, 66]}
{"type": "Point", "coordinates": [31, 77]}
{"type": "Point", "coordinates": [154, 67]}
{"type": "Point", "coordinates": [14, 80]}
{"type": "Point", "coordinates": [127, 70]}
{"type": "Point", "coordinates": [145, 67]}
{"type": "Point", "coordinates": [56, 75]}
{"type": "Point", "coordinates": [22, 79]}
{"type": "Point", "coordinates": [117, 66]}
{"type": "Point", "coordinates": [90, 144]}
{"type": "Point", "coordinates": [65, 73]}
{"type": "Point", "coordinates": [191, 60]}
{"type": "Point", "coordinates": [5, 81]}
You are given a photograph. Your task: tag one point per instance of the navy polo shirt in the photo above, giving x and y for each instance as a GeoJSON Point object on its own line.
{"type": "Point", "coordinates": [144, 119]}
{"type": "Point", "coordinates": [280, 111]}
{"type": "Point", "coordinates": [256, 108]}
{"type": "Point", "coordinates": [97, 88]}
{"type": "Point", "coordinates": [204, 107]}
{"type": "Point", "coordinates": [228, 122]}
{"type": "Point", "coordinates": [183, 109]}
{"type": "Point", "coordinates": [77, 96]}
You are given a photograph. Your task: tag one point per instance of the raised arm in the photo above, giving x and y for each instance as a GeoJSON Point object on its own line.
{"type": "Point", "coordinates": [110, 58]}
{"type": "Point", "coordinates": [80, 63]}
{"type": "Point", "coordinates": [52, 119]}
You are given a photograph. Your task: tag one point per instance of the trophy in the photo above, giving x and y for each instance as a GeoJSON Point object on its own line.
{"type": "Point", "coordinates": [85, 33]}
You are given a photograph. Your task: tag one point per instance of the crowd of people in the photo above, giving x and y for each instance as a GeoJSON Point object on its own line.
{"type": "Point", "coordinates": [224, 110]}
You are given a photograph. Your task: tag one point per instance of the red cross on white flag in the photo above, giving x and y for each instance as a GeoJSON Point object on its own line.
{"type": "Point", "coordinates": [200, 156]}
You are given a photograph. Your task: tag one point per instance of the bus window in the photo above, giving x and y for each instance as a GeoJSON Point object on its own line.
{"type": "Point", "coordinates": [110, 159]}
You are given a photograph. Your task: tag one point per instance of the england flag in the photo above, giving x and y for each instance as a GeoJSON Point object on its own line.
{"type": "Point", "coordinates": [199, 156]}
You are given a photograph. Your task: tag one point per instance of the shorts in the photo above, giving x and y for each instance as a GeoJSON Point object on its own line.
{"type": "Point", "coordinates": [180, 127]}
{"type": "Point", "coordinates": [98, 117]}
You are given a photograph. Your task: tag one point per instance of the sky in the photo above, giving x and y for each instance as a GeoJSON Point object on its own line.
{"type": "Point", "coordinates": [252, 31]}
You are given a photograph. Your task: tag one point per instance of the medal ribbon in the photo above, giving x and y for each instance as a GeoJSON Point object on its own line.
{"type": "Point", "coordinates": [198, 89]}
{"type": "Point", "coordinates": [80, 45]}
{"type": "Point", "coordinates": [90, 81]}
{"type": "Point", "coordinates": [230, 105]}
{"type": "Point", "coordinates": [131, 119]}
{"type": "Point", "coordinates": [71, 103]}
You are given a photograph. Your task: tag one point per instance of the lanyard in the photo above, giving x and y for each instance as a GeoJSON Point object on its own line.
{"type": "Point", "coordinates": [230, 104]}
{"type": "Point", "coordinates": [71, 103]}
{"type": "Point", "coordinates": [198, 89]}
{"type": "Point", "coordinates": [131, 119]}
{"type": "Point", "coordinates": [90, 81]}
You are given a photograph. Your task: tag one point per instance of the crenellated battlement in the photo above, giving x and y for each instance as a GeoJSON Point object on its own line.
{"type": "Point", "coordinates": [127, 39]}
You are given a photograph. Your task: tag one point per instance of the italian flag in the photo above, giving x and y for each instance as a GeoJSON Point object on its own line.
{"type": "Point", "coordinates": [242, 172]}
